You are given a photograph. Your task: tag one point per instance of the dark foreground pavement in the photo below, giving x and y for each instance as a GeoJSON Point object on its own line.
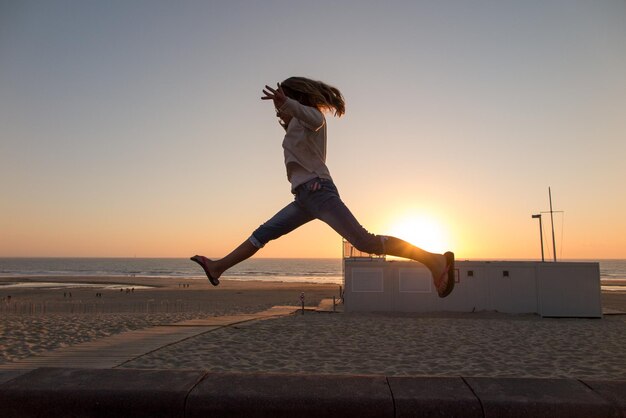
{"type": "Point", "coordinates": [59, 392]}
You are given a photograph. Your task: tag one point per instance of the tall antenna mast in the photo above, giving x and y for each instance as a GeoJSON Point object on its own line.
{"type": "Point", "coordinates": [552, 223]}
{"type": "Point", "coordinates": [538, 216]}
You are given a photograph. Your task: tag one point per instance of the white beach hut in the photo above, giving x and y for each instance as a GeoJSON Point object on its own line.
{"type": "Point", "coordinates": [555, 289]}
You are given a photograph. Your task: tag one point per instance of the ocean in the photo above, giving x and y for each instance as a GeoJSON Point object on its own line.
{"type": "Point", "coordinates": [317, 270]}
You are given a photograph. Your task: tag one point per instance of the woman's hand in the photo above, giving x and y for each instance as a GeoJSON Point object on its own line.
{"type": "Point", "coordinates": [279, 98]}
{"type": "Point", "coordinates": [278, 95]}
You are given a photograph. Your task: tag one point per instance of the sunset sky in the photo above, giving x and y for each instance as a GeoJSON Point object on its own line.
{"type": "Point", "coordinates": [135, 128]}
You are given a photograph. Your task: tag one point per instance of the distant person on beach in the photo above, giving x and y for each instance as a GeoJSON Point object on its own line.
{"type": "Point", "coordinates": [299, 103]}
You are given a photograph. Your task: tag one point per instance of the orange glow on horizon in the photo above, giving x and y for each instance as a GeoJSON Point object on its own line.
{"type": "Point", "coordinates": [421, 230]}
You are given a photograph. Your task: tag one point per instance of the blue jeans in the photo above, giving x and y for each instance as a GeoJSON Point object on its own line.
{"type": "Point", "coordinates": [318, 202]}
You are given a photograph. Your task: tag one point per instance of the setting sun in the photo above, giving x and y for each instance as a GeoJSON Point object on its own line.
{"type": "Point", "coordinates": [422, 231]}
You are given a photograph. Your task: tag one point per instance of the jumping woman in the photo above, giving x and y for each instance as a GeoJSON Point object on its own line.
{"type": "Point", "coordinates": [299, 104]}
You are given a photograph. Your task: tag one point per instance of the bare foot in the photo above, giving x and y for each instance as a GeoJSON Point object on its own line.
{"type": "Point", "coordinates": [205, 263]}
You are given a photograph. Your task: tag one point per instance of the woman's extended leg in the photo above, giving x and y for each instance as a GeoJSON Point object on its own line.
{"type": "Point", "coordinates": [286, 220]}
{"type": "Point", "coordinates": [343, 221]}
{"type": "Point", "coordinates": [328, 207]}
{"type": "Point", "coordinates": [441, 266]}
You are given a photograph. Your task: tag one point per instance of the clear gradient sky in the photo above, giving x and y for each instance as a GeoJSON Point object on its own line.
{"type": "Point", "coordinates": [135, 128]}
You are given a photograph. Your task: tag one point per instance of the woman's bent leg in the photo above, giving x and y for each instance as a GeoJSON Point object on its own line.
{"type": "Point", "coordinates": [286, 220]}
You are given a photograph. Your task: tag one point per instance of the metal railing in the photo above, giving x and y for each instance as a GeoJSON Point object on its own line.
{"type": "Point", "coordinates": [350, 252]}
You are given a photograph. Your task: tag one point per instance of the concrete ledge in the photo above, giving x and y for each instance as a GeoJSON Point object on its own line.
{"type": "Point", "coordinates": [612, 390]}
{"type": "Point", "coordinates": [6, 375]}
{"type": "Point", "coordinates": [434, 397]}
{"type": "Point", "coordinates": [276, 395]}
{"type": "Point", "coordinates": [193, 393]}
{"type": "Point", "coordinates": [52, 392]}
{"type": "Point", "coordinates": [539, 398]}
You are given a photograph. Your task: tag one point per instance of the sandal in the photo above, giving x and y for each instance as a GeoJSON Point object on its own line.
{"type": "Point", "coordinates": [447, 277]}
{"type": "Point", "coordinates": [200, 260]}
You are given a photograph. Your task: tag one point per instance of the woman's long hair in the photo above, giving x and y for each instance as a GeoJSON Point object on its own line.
{"type": "Point", "coordinates": [315, 94]}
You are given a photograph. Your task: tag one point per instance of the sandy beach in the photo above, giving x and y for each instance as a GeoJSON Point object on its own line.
{"type": "Point", "coordinates": [36, 319]}
{"type": "Point", "coordinates": [438, 344]}
{"type": "Point", "coordinates": [485, 344]}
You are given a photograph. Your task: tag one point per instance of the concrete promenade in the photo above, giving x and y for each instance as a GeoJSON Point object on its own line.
{"type": "Point", "coordinates": [60, 392]}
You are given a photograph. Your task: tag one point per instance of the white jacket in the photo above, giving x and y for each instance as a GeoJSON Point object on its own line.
{"type": "Point", "coordinates": [304, 144]}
